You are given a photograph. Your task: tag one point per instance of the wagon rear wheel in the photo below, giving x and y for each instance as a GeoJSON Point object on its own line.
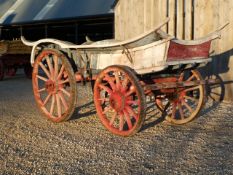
{"type": "Point", "coordinates": [119, 100]}
{"type": "Point", "coordinates": [1, 70]}
{"type": "Point", "coordinates": [54, 85]}
{"type": "Point", "coordinates": [185, 103]}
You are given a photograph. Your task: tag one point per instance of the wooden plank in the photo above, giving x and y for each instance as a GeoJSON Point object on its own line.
{"type": "Point", "coordinates": [224, 63]}
{"type": "Point", "coordinates": [147, 14]}
{"type": "Point", "coordinates": [188, 20]}
{"type": "Point", "coordinates": [138, 22]}
{"type": "Point", "coordinates": [117, 24]}
{"type": "Point", "coordinates": [171, 14]}
{"type": "Point", "coordinates": [162, 12]}
{"type": "Point", "coordinates": [204, 18]}
{"type": "Point", "coordinates": [180, 19]}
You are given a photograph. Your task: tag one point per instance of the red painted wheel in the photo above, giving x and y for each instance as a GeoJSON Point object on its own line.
{"type": "Point", "coordinates": [183, 104]}
{"type": "Point", "coordinates": [54, 85]}
{"type": "Point", "coordinates": [1, 70]}
{"type": "Point", "coordinates": [119, 100]}
{"type": "Point", "coordinates": [28, 70]}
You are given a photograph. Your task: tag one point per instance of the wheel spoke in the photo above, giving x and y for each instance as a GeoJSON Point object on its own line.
{"type": "Point", "coordinates": [63, 100]}
{"type": "Point", "coordinates": [173, 110]}
{"type": "Point", "coordinates": [110, 81]}
{"type": "Point", "coordinates": [106, 109]}
{"type": "Point", "coordinates": [132, 102]}
{"type": "Point", "coordinates": [131, 91]}
{"type": "Point", "coordinates": [192, 89]}
{"type": "Point", "coordinates": [55, 66]}
{"type": "Point", "coordinates": [131, 112]}
{"type": "Point", "coordinates": [41, 78]}
{"type": "Point", "coordinates": [125, 83]}
{"type": "Point", "coordinates": [191, 98]}
{"type": "Point", "coordinates": [113, 119]}
{"type": "Point", "coordinates": [42, 90]}
{"type": "Point", "coordinates": [58, 105]}
{"type": "Point", "coordinates": [52, 105]}
{"type": "Point", "coordinates": [121, 122]}
{"type": "Point", "coordinates": [116, 73]}
{"type": "Point", "coordinates": [65, 92]}
{"type": "Point", "coordinates": [187, 106]}
{"type": "Point", "coordinates": [107, 89]}
{"type": "Point", "coordinates": [50, 66]}
{"type": "Point", "coordinates": [104, 99]}
{"type": "Point", "coordinates": [190, 78]}
{"type": "Point", "coordinates": [47, 99]}
{"type": "Point", "coordinates": [61, 72]}
{"type": "Point", "coordinates": [64, 81]}
{"type": "Point", "coordinates": [181, 111]}
{"type": "Point", "coordinates": [127, 117]}
{"type": "Point", "coordinates": [45, 70]}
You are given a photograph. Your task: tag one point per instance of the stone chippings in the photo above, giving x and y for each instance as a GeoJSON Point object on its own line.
{"type": "Point", "coordinates": [29, 144]}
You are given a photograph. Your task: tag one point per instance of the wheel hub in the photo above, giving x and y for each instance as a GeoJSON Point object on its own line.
{"type": "Point", "coordinates": [177, 97]}
{"type": "Point", "coordinates": [51, 87]}
{"type": "Point", "coordinates": [117, 101]}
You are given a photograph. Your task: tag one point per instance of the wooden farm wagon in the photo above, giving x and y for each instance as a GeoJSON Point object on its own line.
{"type": "Point", "coordinates": [125, 72]}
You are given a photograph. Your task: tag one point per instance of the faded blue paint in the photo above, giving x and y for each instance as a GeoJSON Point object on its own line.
{"type": "Point", "coordinates": [29, 10]}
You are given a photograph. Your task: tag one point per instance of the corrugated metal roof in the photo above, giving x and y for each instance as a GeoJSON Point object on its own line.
{"type": "Point", "coordinates": [27, 11]}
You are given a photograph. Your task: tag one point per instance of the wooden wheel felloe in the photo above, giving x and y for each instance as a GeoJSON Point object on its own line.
{"type": "Point", "coordinates": [1, 70]}
{"type": "Point", "coordinates": [119, 100]}
{"type": "Point", "coordinates": [54, 85]}
{"type": "Point", "coordinates": [183, 104]}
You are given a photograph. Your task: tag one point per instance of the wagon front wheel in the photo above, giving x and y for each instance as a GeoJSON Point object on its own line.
{"type": "Point", "coordinates": [184, 104]}
{"type": "Point", "coordinates": [119, 100]}
{"type": "Point", "coordinates": [54, 85]}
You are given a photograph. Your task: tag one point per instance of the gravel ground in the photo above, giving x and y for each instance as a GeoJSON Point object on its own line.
{"type": "Point", "coordinates": [30, 144]}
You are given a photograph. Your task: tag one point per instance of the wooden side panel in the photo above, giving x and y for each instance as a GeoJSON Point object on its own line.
{"type": "Point", "coordinates": [162, 12]}
{"type": "Point", "coordinates": [183, 52]}
{"type": "Point", "coordinates": [205, 18]}
{"type": "Point", "coordinates": [171, 14]}
{"type": "Point", "coordinates": [188, 20]}
{"type": "Point", "coordinates": [147, 14]}
{"type": "Point", "coordinates": [133, 17]}
{"type": "Point", "coordinates": [180, 19]}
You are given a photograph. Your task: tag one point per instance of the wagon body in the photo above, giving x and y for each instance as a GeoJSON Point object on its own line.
{"type": "Point", "coordinates": [141, 58]}
{"type": "Point", "coordinates": [156, 53]}
{"type": "Point", "coordinates": [153, 64]}
{"type": "Point", "coordinates": [152, 51]}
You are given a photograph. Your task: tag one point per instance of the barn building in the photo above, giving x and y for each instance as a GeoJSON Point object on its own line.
{"type": "Point", "coordinates": [189, 19]}
{"type": "Point", "coordinates": [69, 20]}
